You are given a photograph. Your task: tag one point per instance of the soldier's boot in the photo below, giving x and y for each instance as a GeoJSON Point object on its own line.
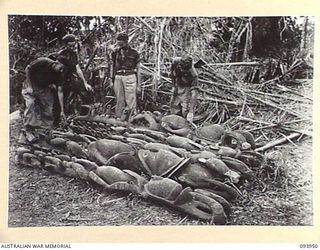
{"type": "Point", "coordinates": [125, 115]}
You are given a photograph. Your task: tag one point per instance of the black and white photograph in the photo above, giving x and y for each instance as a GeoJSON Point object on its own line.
{"type": "Point", "coordinates": [160, 120]}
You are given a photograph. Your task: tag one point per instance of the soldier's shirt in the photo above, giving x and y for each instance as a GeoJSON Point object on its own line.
{"type": "Point", "coordinates": [183, 78]}
{"type": "Point", "coordinates": [125, 58]}
{"type": "Point", "coordinates": [69, 58]}
{"type": "Point", "coordinates": [42, 74]}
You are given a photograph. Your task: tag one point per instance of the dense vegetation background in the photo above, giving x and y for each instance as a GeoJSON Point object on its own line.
{"type": "Point", "coordinates": [158, 39]}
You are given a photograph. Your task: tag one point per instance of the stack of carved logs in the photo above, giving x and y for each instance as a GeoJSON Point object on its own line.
{"type": "Point", "coordinates": [194, 170]}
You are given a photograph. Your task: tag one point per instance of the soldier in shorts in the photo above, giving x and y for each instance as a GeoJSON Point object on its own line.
{"type": "Point", "coordinates": [44, 77]}
{"type": "Point", "coordinates": [185, 81]}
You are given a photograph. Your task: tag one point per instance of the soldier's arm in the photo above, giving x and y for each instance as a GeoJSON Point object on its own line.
{"type": "Point", "coordinates": [138, 77]}
{"type": "Point", "coordinates": [194, 93]}
{"type": "Point", "coordinates": [194, 83]}
{"type": "Point", "coordinates": [112, 73]}
{"type": "Point", "coordinates": [60, 97]}
{"type": "Point", "coordinates": [58, 86]}
{"type": "Point", "coordinates": [112, 67]}
{"type": "Point", "coordinates": [173, 77]}
{"type": "Point", "coordinates": [31, 69]}
{"type": "Point", "coordinates": [28, 77]}
{"type": "Point", "coordinates": [81, 76]}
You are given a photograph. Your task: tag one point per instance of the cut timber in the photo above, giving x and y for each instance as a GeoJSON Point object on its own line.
{"type": "Point", "coordinates": [277, 142]}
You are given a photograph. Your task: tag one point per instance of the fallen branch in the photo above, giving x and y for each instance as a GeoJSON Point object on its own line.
{"type": "Point", "coordinates": [211, 93]}
{"type": "Point", "coordinates": [293, 92]}
{"type": "Point", "coordinates": [152, 72]}
{"type": "Point", "coordinates": [277, 107]}
{"type": "Point", "coordinates": [235, 64]}
{"type": "Point", "coordinates": [273, 80]}
{"type": "Point", "coordinates": [277, 142]}
{"type": "Point", "coordinates": [218, 100]}
{"type": "Point", "coordinates": [289, 140]}
{"type": "Point", "coordinates": [278, 95]}
{"type": "Point", "coordinates": [222, 78]}
{"type": "Point", "coordinates": [253, 97]}
{"type": "Point", "coordinates": [277, 125]}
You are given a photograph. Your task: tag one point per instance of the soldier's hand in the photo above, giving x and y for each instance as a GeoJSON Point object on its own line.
{"type": "Point", "coordinates": [190, 117]}
{"type": "Point", "coordinates": [63, 117]}
{"type": "Point", "coordinates": [63, 120]}
{"type": "Point", "coordinates": [172, 98]}
{"type": "Point", "coordinates": [111, 82]}
{"type": "Point", "coordinates": [52, 86]}
{"type": "Point", "coordinates": [138, 89]}
{"type": "Point", "coordinates": [88, 87]}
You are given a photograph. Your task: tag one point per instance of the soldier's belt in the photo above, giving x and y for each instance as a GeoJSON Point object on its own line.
{"type": "Point", "coordinates": [125, 72]}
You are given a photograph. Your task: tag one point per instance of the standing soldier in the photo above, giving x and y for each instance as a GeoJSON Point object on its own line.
{"type": "Point", "coordinates": [185, 81]}
{"type": "Point", "coordinates": [125, 74]}
{"type": "Point", "coordinates": [43, 77]}
{"type": "Point", "coordinates": [69, 57]}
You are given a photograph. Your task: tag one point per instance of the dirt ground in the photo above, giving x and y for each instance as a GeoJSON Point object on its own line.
{"type": "Point", "coordinates": [40, 199]}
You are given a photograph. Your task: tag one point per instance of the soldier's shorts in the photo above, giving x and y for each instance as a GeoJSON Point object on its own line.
{"type": "Point", "coordinates": [181, 101]}
{"type": "Point", "coordinates": [39, 106]}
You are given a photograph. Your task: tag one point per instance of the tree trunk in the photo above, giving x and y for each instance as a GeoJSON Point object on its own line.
{"type": "Point", "coordinates": [304, 35]}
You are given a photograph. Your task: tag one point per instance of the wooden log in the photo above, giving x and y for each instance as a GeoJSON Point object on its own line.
{"type": "Point", "coordinates": [277, 142]}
